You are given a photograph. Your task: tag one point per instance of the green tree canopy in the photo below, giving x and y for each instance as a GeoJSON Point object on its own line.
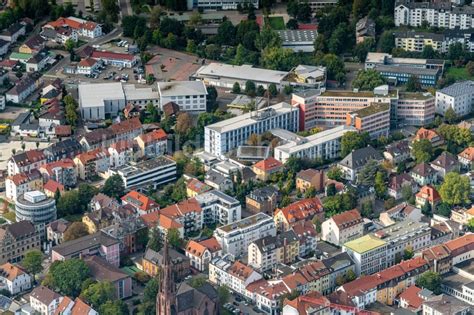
{"type": "Point", "coordinates": [368, 80]}
{"type": "Point", "coordinates": [455, 189]}
{"type": "Point", "coordinates": [114, 187]}
{"type": "Point", "coordinates": [75, 231]}
{"type": "Point", "coordinates": [422, 150]}
{"type": "Point", "coordinates": [98, 293]}
{"type": "Point", "coordinates": [353, 140]}
{"type": "Point", "coordinates": [430, 280]}
{"type": "Point", "coordinates": [32, 261]}
{"type": "Point", "coordinates": [67, 276]}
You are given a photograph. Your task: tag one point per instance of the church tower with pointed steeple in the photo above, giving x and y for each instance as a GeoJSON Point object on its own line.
{"type": "Point", "coordinates": [166, 299]}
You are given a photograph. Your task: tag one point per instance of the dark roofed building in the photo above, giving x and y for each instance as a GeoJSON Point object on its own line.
{"type": "Point", "coordinates": [66, 149]}
{"type": "Point", "coordinates": [263, 199]}
{"type": "Point", "coordinates": [171, 109]}
{"type": "Point", "coordinates": [306, 179]}
{"type": "Point", "coordinates": [102, 271]}
{"type": "Point", "coordinates": [446, 163]}
{"type": "Point", "coordinates": [153, 261]}
{"type": "Point", "coordinates": [424, 174]}
{"type": "Point", "coordinates": [16, 239]}
{"type": "Point", "coordinates": [357, 159]}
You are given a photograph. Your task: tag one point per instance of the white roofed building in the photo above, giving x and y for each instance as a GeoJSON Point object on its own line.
{"type": "Point", "coordinates": [189, 95]}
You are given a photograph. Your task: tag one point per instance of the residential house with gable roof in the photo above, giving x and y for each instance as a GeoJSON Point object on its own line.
{"type": "Point", "coordinates": [20, 183]}
{"type": "Point", "coordinates": [82, 27]}
{"type": "Point", "coordinates": [76, 307]}
{"type": "Point", "coordinates": [429, 134]}
{"type": "Point", "coordinates": [397, 182]}
{"type": "Point", "coordinates": [401, 212]}
{"type": "Point", "coordinates": [195, 187]}
{"type": "Point", "coordinates": [143, 204]}
{"type": "Point", "coordinates": [14, 279]}
{"type": "Point", "coordinates": [21, 91]}
{"type": "Point", "coordinates": [187, 213]}
{"type": "Point", "coordinates": [202, 252]}
{"type": "Point", "coordinates": [153, 143]}
{"type": "Point", "coordinates": [65, 149]}
{"type": "Point", "coordinates": [264, 199]}
{"type": "Point", "coordinates": [152, 263]}
{"type": "Point", "coordinates": [25, 161]}
{"type": "Point", "coordinates": [308, 178]}
{"type": "Point", "coordinates": [424, 174]}
{"type": "Point", "coordinates": [445, 163]}
{"type": "Point", "coordinates": [428, 194]}
{"type": "Point", "coordinates": [44, 300]}
{"type": "Point", "coordinates": [11, 33]}
{"type": "Point", "coordinates": [302, 210]}
{"type": "Point", "coordinates": [356, 160]}
{"type": "Point", "coordinates": [466, 158]}
{"type": "Point", "coordinates": [62, 171]}
{"type": "Point", "coordinates": [342, 227]}
{"type": "Point", "coordinates": [102, 271]}
{"type": "Point", "coordinates": [265, 168]}
{"type": "Point", "coordinates": [307, 236]}
{"type": "Point", "coordinates": [92, 163]}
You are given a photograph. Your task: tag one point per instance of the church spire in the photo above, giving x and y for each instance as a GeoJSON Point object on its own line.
{"type": "Point", "coordinates": [165, 301]}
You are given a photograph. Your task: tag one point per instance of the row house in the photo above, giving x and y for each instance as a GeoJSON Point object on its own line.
{"type": "Point", "coordinates": [72, 307]}
{"type": "Point", "coordinates": [266, 294]}
{"type": "Point", "coordinates": [122, 153]}
{"type": "Point", "coordinates": [307, 236]}
{"type": "Point", "coordinates": [25, 162]}
{"type": "Point", "coordinates": [153, 143]}
{"type": "Point", "coordinates": [62, 171]}
{"type": "Point", "coordinates": [302, 210]}
{"type": "Point", "coordinates": [202, 252]}
{"type": "Point", "coordinates": [65, 149]}
{"type": "Point", "coordinates": [20, 183]}
{"type": "Point", "coordinates": [342, 227]}
{"type": "Point", "coordinates": [91, 163]}
{"type": "Point", "coordinates": [266, 252]}
{"type": "Point", "coordinates": [386, 285]}
{"type": "Point", "coordinates": [235, 275]}
{"type": "Point", "coordinates": [313, 276]}
{"type": "Point", "coordinates": [127, 130]}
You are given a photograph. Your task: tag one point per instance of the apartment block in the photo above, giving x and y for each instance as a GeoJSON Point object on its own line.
{"type": "Point", "coordinates": [306, 100]}
{"type": "Point", "coordinates": [374, 119]}
{"type": "Point", "coordinates": [437, 14]}
{"type": "Point", "coordinates": [458, 96]}
{"type": "Point", "coordinates": [219, 208]}
{"type": "Point", "coordinates": [17, 239]}
{"type": "Point", "coordinates": [224, 136]}
{"type": "Point", "coordinates": [369, 254]}
{"type": "Point", "coordinates": [235, 238]}
{"type": "Point", "coordinates": [220, 4]}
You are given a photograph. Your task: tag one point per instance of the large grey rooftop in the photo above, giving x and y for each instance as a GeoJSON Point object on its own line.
{"type": "Point", "coordinates": [459, 89]}
{"type": "Point", "coordinates": [244, 72]}
{"type": "Point", "coordinates": [184, 88]}
{"type": "Point", "coordinates": [297, 36]}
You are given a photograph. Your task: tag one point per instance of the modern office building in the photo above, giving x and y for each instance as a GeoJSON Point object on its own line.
{"type": "Point", "coordinates": [369, 254]}
{"type": "Point", "coordinates": [36, 207]}
{"type": "Point", "coordinates": [220, 4]}
{"type": "Point", "coordinates": [458, 96]}
{"type": "Point", "coordinates": [190, 96]}
{"type": "Point", "coordinates": [414, 109]}
{"type": "Point", "coordinates": [441, 14]}
{"type": "Point", "coordinates": [155, 172]}
{"type": "Point", "coordinates": [324, 145]}
{"type": "Point", "coordinates": [306, 100]}
{"type": "Point", "coordinates": [234, 238]}
{"type": "Point", "coordinates": [226, 135]}
{"type": "Point", "coordinates": [399, 70]}
{"type": "Point", "coordinates": [374, 119]}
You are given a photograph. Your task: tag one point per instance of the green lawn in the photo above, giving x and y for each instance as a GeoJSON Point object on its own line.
{"type": "Point", "coordinates": [459, 73]}
{"type": "Point", "coordinates": [276, 22]}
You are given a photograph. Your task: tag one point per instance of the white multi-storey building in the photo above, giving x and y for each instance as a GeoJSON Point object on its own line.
{"type": "Point", "coordinates": [226, 135]}
{"type": "Point", "coordinates": [14, 279]}
{"type": "Point", "coordinates": [458, 96]}
{"type": "Point", "coordinates": [235, 238]}
{"type": "Point", "coordinates": [220, 4]}
{"type": "Point", "coordinates": [368, 252]}
{"type": "Point", "coordinates": [436, 14]}
{"type": "Point", "coordinates": [323, 145]}
{"type": "Point", "coordinates": [219, 208]}
{"type": "Point", "coordinates": [155, 172]}
{"type": "Point", "coordinates": [342, 227]}
{"type": "Point", "coordinates": [190, 96]}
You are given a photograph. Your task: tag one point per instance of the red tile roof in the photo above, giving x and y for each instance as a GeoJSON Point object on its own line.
{"type": "Point", "coordinates": [88, 62]}
{"type": "Point", "coordinates": [182, 208]}
{"type": "Point", "coordinates": [53, 186]}
{"type": "Point", "coordinates": [155, 135]}
{"type": "Point", "coordinates": [411, 297]}
{"type": "Point", "coordinates": [198, 248]}
{"type": "Point", "coordinates": [424, 133]}
{"type": "Point", "coordinates": [467, 154]}
{"type": "Point", "coordinates": [302, 210]}
{"type": "Point", "coordinates": [240, 270]}
{"type": "Point", "coordinates": [126, 126]}
{"type": "Point", "coordinates": [197, 186]}
{"type": "Point", "coordinates": [140, 201]}
{"type": "Point", "coordinates": [111, 55]}
{"type": "Point", "coordinates": [347, 219]}
{"type": "Point", "coordinates": [268, 164]}
{"type": "Point", "coordinates": [429, 193]}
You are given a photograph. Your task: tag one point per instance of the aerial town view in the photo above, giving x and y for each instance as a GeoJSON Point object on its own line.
{"type": "Point", "coordinates": [219, 157]}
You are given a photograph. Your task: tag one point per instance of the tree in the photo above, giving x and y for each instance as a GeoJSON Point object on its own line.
{"type": "Point", "coordinates": [174, 238]}
{"type": "Point", "coordinates": [292, 24]}
{"type": "Point", "coordinates": [350, 275]}
{"type": "Point", "coordinates": [387, 42]}
{"type": "Point", "coordinates": [430, 280]}
{"type": "Point", "coordinates": [33, 261]}
{"type": "Point", "coordinates": [69, 203]}
{"type": "Point", "coordinates": [353, 140]}
{"type": "Point", "coordinates": [413, 84]}
{"type": "Point", "coordinates": [470, 225]}
{"type": "Point", "coordinates": [75, 231]}
{"type": "Point", "coordinates": [360, 8]}
{"type": "Point", "coordinates": [455, 51]}
{"type": "Point", "coordinates": [408, 253]}
{"type": "Point", "coordinates": [368, 80]}
{"type": "Point", "coordinates": [278, 58]}
{"type": "Point", "coordinates": [117, 307]}
{"type": "Point", "coordinates": [254, 139]}
{"type": "Point", "coordinates": [389, 203]}
{"type": "Point", "coordinates": [426, 209]}
{"type": "Point", "coordinates": [223, 294]}
{"type": "Point", "coordinates": [69, 45]}
{"type": "Point", "coordinates": [98, 294]}
{"type": "Point", "coordinates": [470, 68]}
{"type": "Point", "coordinates": [335, 173]}
{"type": "Point", "coordinates": [367, 209]}
{"type": "Point", "coordinates": [226, 33]}
{"type": "Point", "coordinates": [407, 192]}
{"type": "Point", "coordinates": [156, 240]}
{"type": "Point", "coordinates": [250, 88]}
{"type": "Point", "coordinates": [236, 88]}
{"type": "Point", "coordinates": [367, 174]}
{"type": "Point", "coordinates": [450, 115]}
{"type": "Point", "coordinates": [183, 123]}
{"type": "Point", "coordinates": [455, 189]}
{"type": "Point", "coordinates": [331, 190]}
{"type": "Point", "coordinates": [197, 282]}
{"type": "Point", "coordinates": [114, 187]}
{"type": "Point", "coordinates": [211, 98]}
{"type": "Point", "coordinates": [443, 209]}
{"type": "Point", "coordinates": [422, 150]}
{"type": "Point", "coordinates": [272, 89]}
{"type": "Point", "coordinates": [67, 276]}
{"type": "Point", "coordinates": [380, 187]}
{"type": "Point", "coordinates": [428, 52]}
